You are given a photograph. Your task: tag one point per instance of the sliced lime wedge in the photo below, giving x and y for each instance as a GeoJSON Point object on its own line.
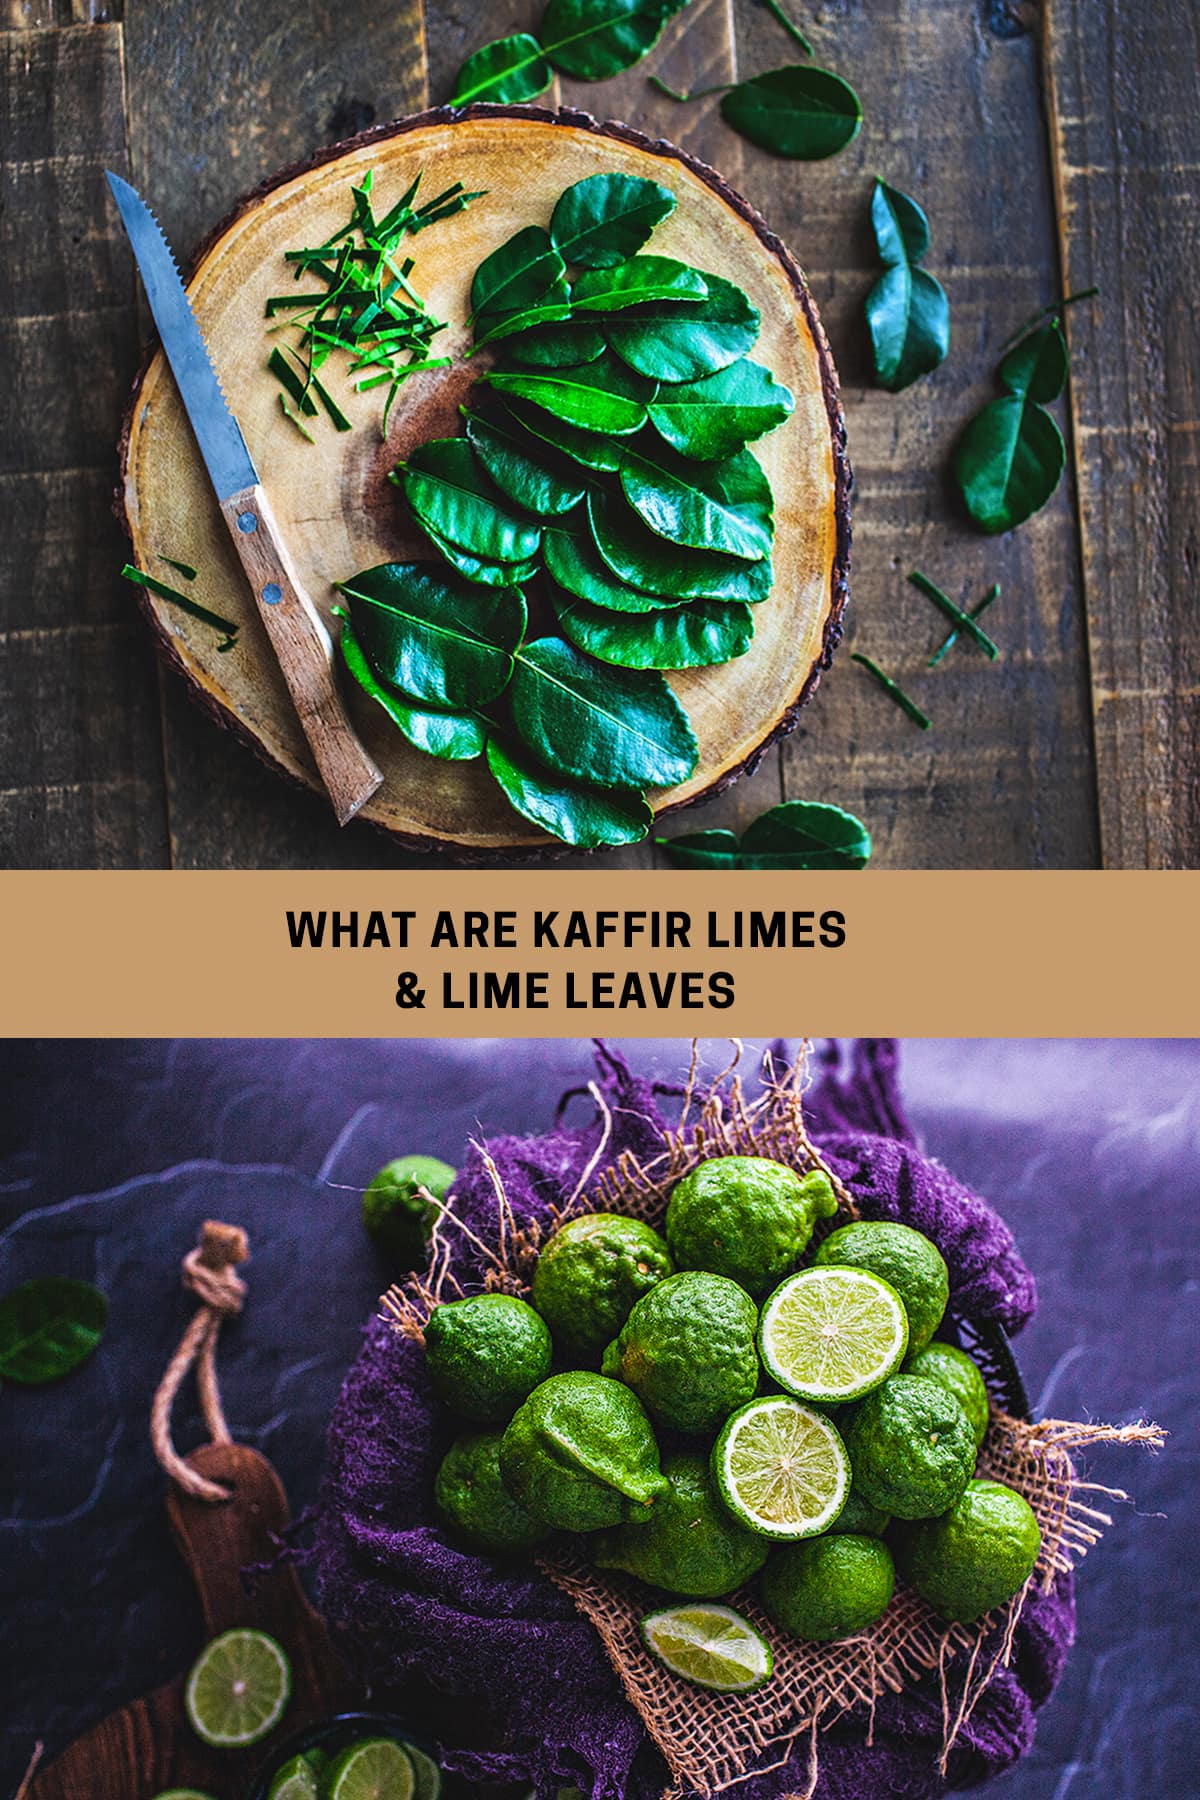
{"type": "Point", "coordinates": [711, 1645]}
{"type": "Point", "coordinates": [372, 1769]}
{"type": "Point", "coordinates": [238, 1688]}
{"type": "Point", "coordinates": [426, 1774]}
{"type": "Point", "coordinates": [781, 1469]}
{"type": "Point", "coordinates": [297, 1780]}
{"type": "Point", "coordinates": [831, 1334]}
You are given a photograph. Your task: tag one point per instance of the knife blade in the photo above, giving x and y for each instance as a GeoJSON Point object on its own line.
{"type": "Point", "coordinates": [297, 633]}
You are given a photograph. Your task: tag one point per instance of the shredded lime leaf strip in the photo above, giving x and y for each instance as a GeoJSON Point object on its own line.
{"type": "Point", "coordinates": [992, 595]}
{"type": "Point", "coordinates": [184, 569]}
{"type": "Point", "coordinates": [962, 620]}
{"type": "Point", "coordinates": [895, 690]}
{"type": "Point", "coordinates": [776, 11]}
{"type": "Point", "coordinates": [185, 603]}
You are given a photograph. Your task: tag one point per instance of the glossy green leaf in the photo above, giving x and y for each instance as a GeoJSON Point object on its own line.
{"type": "Point", "coordinates": [800, 112]}
{"type": "Point", "coordinates": [908, 314]}
{"type": "Point", "coordinates": [48, 1327]}
{"type": "Point", "coordinates": [668, 342]}
{"type": "Point", "coordinates": [479, 568]}
{"type": "Point", "coordinates": [1037, 366]}
{"type": "Point", "coordinates": [526, 271]}
{"type": "Point", "coordinates": [538, 481]}
{"type": "Point", "coordinates": [454, 737]}
{"type": "Point", "coordinates": [623, 728]}
{"type": "Point", "coordinates": [603, 219]}
{"type": "Point", "coordinates": [556, 346]}
{"type": "Point", "coordinates": [593, 39]}
{"type": "Point", "coordinates": [590, 449]}
{"type": "Point", "coordinates": [685, 637]}
{"type": "Point", "coordinates": [602, 396]}
{"type": "Point", "coordinates": [723, 506]}
{"type": "Point", "coordinates": [637, 282]}
{"type": "Point", "coordinates": [701, 850]}
{"type": "Point", "coordinates": [1009, 461]}
{"type": "Point", "coordinates": [799, 834]}
{"type": "Point", "coordinates": [589, 818]}
{"type": "Point", "coordinates": [504, 73]}
{"type": "Point", "coordinates": [717, 415]}
{"type": "Point", "coordinates": [572, 561]}
{"type": "Point", "coordinates": [445, 642]}
{"type": "Point", "coordinates": [644, 560]}
{"type": "Point", "coordinates": [451, 494]}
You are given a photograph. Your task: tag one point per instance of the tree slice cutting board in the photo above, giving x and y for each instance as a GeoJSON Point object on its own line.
{"type": "Point", "coordinates": [339, 514]}
{"type": "Point", "coordinates": [148, 1745]}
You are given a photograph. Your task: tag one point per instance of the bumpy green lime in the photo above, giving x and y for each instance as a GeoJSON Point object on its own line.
{"type": "Point", "coordinates": [472, 1498]}
{"type": "Point", "coordinates": [590, 1274]}
{"type": "Point", "coordinates": [397, 1216]}
{"type": "Point", "coordinates": [911, 1447]}
{"type": "Point", "coordinates": [899, 1255]}
{"type": "Point", "coordinates": [690, 1545]}
{"type": "Point", "coordinates": [860, 1517]}
{"type": "Point", "coordinates": [580, 1454]}
{"type": "Point", "coordinates": [828, 1587]}
{"type": "Point", "coordinates": [747, 1218]}
{"type": "Point", "coordinates": [976, 1556]}
{"type": "Point", "coordinates": [953, 1368]}
{"type": "Point", "coordinates": [687, 1351]}
{"type": "Point", "coordinates": [486, 1355]}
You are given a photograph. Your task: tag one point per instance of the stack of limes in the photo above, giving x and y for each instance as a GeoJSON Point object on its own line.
{"type": "Point", "coordinates": [712, 1413]}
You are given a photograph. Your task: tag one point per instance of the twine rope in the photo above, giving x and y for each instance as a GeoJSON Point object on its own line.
{"type": "Point", "coordinates": [209, 1271]}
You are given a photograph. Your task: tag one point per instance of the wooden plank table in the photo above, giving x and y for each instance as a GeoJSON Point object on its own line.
{"type": "Point", "coordinates": [1052, 144]}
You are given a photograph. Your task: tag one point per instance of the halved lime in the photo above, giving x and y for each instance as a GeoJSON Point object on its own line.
{"type": "Point", "coordinates": [426, 1773]}
{"type": "Point", "coordinates": [297, 1780]}
{"type": "Point", "coordinates": [238, 1688]}
{"type": "Point", "coordinates": [833, 1334]}
{"type": "Point", "coordinates": [711, 1645]}
{"type": "Point", "coordinates": [372, 1769]}
{"type": "Point", "coordinates": [781, 1468]}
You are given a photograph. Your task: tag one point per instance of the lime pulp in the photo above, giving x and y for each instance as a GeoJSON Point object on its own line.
{"type": "Point", "coordinates": [713, 1646]}
{"type": "Point", "coordinates": [833, 1334]}
{"type": "Point", "coordinates": [781, 1468]}
{"type": "Point", "coordinates": [238, 1688]}
{"type": "Point", "coordinates": [373, 1769]}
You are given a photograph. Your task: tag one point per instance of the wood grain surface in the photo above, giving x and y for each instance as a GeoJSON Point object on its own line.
{"type": "Point", "coordinates": [1078, 165]}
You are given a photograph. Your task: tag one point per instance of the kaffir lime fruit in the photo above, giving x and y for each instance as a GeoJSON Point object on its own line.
{"type": "Point", "coordinates": [831, 1335]}
{"type": "Point", "coordinates": [828, 1587]}
{"type": "Point", "coordinates": [953, 1368]}
{"type": "Point", "coordinates": [976, 1556]}
{"type": "Point", "coordinates": [589, 1275]}
{"type": "Point", "coordinates": [397, 1215]}
{"type": "Point", "coordinates": [901, 1256]}
{"type": "Point", "coordinates": [486, 1355]}
{"type": "Point", "coordinates": [690, 1545]}
{"type": "Point", "coordinates": [373, 1769]}
{"type": "Point", "coordinates": [238, 1689]}
{"type": "Point", "coordinates": [860, 1517]}
{"type": "Point", "coordinates": [473, 1500]}
{"type": "Point", "coordinates": [711, 1645]}
{"type": "Point", "coordinates": [687, 1351]}
{"type": "Point", "coordinates": [781, 1469]}
{"type": "Point", "coordinates": [580, 1454]}
{"type": "Point", "coordinates": [747, 1218]}
{"type": "Point", "coordinates": [911, 1447]}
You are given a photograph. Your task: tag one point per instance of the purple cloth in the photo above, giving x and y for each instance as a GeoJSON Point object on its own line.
{"type": "Point", "coordinates": [542, 1703]}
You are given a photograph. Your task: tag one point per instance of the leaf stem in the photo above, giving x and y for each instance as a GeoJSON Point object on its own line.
{"type": "Point", "coordinates": [992, 595]}
{"type": "Point", "coordinates": [776, 11]}
{"type": "Point", "coordinates": [895, 690]}
{"type": "Point", "coordinates": [185, 603]}
{"type": "Point", "coordinates": [1055, 308]}
{"type": "Point", "coordinates": [963, 621]}
{"type": "Point", "coordinates": [722, 87]}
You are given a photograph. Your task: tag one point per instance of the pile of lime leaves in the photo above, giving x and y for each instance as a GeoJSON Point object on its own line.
{"type": "Point", "coordinates": [702, 1413]}
{"type": "Point", "coordinates": [599, 519]}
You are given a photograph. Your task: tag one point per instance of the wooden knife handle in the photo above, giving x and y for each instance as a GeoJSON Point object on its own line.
{"type": "Point", "coordinates": [304, 651]}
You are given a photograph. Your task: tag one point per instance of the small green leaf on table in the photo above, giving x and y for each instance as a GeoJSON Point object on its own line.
{"type": "Point", "coordinates": [593, 39]}
{"type": "Point", "coordinates": [801, 112]}
{"type": "Point", "coordinates": [504, 73]}
{"type": "Point", "coordinates": [603, 219]}
{"type": "Point", "coordinates": [588, 818]}
{"type": "Point", "coordinates": [798, 834]}
{"type": "Point", "coordinates": [908, 313]}
{"type": "Point", "coordinates": [620, 728]}
{"type": "Point", "coordinates": [49, 1327]}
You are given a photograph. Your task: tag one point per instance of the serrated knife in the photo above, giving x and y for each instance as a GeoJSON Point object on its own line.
{"type": "Point", "coordinates": [298, 636]}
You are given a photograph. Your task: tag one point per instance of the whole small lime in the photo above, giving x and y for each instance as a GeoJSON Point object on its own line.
{"type": "Point", "coordinates": [902, 1257]}
{"type": "Point", "coordinates": [956, 1372]}
{"type": "Point", "coordinates": [486, 1354]}
{"type": "Point", "coordinates": [827, 1587]}
{"type": "Point", "coordinates": [473, 1500]}
{"type": "Point", "coordinates": [590, 1274]}
{"type": "Point", "coordinates": [911, 1447]}
{"type": "Point", "coordinates": [687, 1350]}
{"type": "Point", "coordinates": [859, 1517]}
{"type": "Point", "coordinates": [396, 1213]}
{"type": "Point", "coordinates": [580, 1454]}
{"type": "Point", "coordinates": [690, 1545]}
{"type": "Point", "coordinates": [747, 1218]}
{"type": "Point", "coordinates": [976, 1556]}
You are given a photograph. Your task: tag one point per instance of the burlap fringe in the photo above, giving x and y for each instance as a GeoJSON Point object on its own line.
{"type": "Point", "coordinates": [711, 1742]}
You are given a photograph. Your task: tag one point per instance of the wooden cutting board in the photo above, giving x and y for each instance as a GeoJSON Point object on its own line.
{"type": "Point", "coordinates": [338, 512]}
{"type": "Point", "coordinates": [148, 1745]}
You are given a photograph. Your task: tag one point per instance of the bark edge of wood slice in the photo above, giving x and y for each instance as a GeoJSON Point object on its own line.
{"type": "Point", "coordinates": [738, 709]}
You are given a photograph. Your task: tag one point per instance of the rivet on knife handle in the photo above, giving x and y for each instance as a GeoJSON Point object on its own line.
{"type": "Point", "coordinates": [304, 652]}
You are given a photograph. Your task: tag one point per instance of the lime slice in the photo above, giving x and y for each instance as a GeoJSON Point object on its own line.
{"type": "Point", "coordinates": [427, 1776]}
{"type": "Point", "coordinates": [781, 1469]}
{"type": "Point", "coordinates": [710, 1645]}
{"type": "Point", "coordinates": [832, 1334]}
{"type": "Point", "coordinates": [238, 1688]}
{"type": "Point", "coordinates": [372, 1769]}
{"type": "Point", "coordinates": [296, 1780]}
